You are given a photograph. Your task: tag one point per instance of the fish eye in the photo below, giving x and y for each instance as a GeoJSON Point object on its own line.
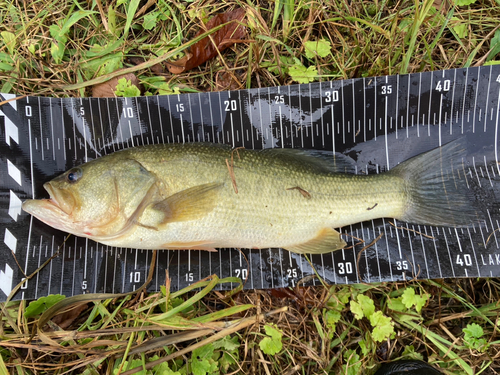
{"type": "Point", "coordinates": [74, 175]}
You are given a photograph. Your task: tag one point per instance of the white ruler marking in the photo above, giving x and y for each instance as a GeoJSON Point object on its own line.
{"type": "Point", "coordinates": [449, 253]}
{"type": "Point", "coordinates": [463, 99]}
{"type": "Point", "coordinates": [492, 227]}
{"type": "Point", "coordinates": [423, 250]}
{"type": "Point", "coordinates": [453, 100]}
{"type": "Point", "coordinates": [50, 266]}
{"type": "Point", "coordinates": [418, 102]}
{"type": "Point", "coordinates": [475, 100]}
{"type": "Point", "coordinates": [376, 251]}
{"type": "Point", "coordinates": [437, 254]}
{"type": "Point", "coordinates": [487, 99]}
{"type": "Point", "coordinates": [62, 268]}
{"type": "Point", "coordinates": [431, 91]}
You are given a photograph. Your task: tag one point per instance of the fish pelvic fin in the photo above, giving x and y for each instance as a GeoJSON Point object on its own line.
{"type": "Point", "coordinates": [436, 189]}
{"type": "Point", "coordinates": [326, 241]}
{"type": "Point", "coordinates": [189, 204]}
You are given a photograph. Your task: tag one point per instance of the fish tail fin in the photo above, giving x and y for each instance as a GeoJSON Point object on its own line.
{"type": "Point", "coordinates": [436, 188]}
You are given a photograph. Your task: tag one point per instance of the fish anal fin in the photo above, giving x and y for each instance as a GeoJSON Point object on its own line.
{"type": "Point", "coordinates": [326, 241]}
{"type": "Point", "coordinates": [189, 204]}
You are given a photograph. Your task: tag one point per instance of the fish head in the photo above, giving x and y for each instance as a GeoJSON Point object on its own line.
{"type": "Point", "coordinates": [94, 200]}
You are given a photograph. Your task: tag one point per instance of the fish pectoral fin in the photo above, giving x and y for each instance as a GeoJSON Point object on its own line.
{"type": "Point", "coordinates": [326, 241]}
{"type": "Point", "coordinates": [189, 204]}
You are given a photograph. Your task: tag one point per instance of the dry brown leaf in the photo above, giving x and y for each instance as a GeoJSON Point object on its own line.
{"type": "Point", "coordinates": [65, 319]}
{"type": "Point", "coordinates": [225, 81]}
{"type": "Point", "coordinates": [443, 6]}
{"type": "Point", "coordinates": [107, 89]}
{"type": "Point", "coordinates": [136, 60]}
{"type": "Point", "coordinates": [205, 49]}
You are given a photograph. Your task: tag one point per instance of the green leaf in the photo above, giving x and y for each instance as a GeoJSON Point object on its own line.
{"type": "Point", "coordinates": [464, 2]}
{"type": "Point", "coordinates": [410, 299]}
{"type": "Point", "coordinates": [131, 9]}
{"type": "Point", "coordinates": [396, 304]}
{"type": "Point", "coordinates": [3, 368]}
{"type": "Point", "coordinates": [332, 317]}
{"type": "Point", "coordinates": [112, 20]}
{"type": "Point", "coordinates": [357, 310]}
{"type": "Point", "coordinates": [150, 20]}
{"type": "Point", "coordinates": [473, 337]}
{"type": "Point", "coordinates": [32, 47]}
{"type": "Point", "coordinates": [340, 297]}
{"type": "Point", "coordinates": [129, 366]}
{"type": "Point", "coordinates": [96, 67]}
{"type": "Point", "coordinates": [459, 26]}
{"type": "Point", "coordinates": [164, 369]}
{"type": "Point", "coordinates": [494, 46]}
{"type": "Point", "coordinates": [126, 89]}
{"type": "Point", "coordinates": [137, 363]}
{"type": "Point", "coordinates": [364, 348]}
{"type": "Point", "coordinates": [59, 32]}
{"type": "Point", "coordinates": [10, 41]}
{"type": "Point", "coordinates": [319, 48]}
{"type": "Point", "coordinates": [353, 363]}
{"type": "Point", "coordinates": [228, 343]}
{"type": "Point", "coordinates": [301, 74]}
{"type": "Point", "coordinates": [165, 89]}
{"type": "Point", "coordinates": [383, 326]}
{"type": "Point", "coordinates": [201, 360]}
{"type": "Point", "coordinates": [6, 58]}
{"type": "Point", "coordinates": [227, 360]}
{"type": "Point", "coordinates": [473, 331]}
{"type": "Point", "coordinates": [410, 353]}
{"type": "Point", "coordinates": [7, 86]}
{"type": "Point", "coordinates": [364, 307]}
{"type": "Point", "coordinates": [285, 62]}
{"type": "Point", "coordinates": [6, 67]}
{"type": "Point", "coordinates": [272, 344]}
{"type": "Point", "coordinates": [230, 354]}
{"type": "Point", "coordinates": [58, 46]}
{"type": "Point", "coordinates": [75, 17]}
{"type": "Point", "coordinates": [39, 306]}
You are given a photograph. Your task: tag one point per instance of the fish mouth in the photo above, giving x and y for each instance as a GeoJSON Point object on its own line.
{"type": "Point", "coordinates": [59, 198]}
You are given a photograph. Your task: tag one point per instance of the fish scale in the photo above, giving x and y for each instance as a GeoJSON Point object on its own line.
{"type": "Point", "coordinates": [376, 128]}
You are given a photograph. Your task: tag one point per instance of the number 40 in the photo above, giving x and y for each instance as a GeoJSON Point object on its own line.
{"type": "Point", "coordinates": [445, 86]}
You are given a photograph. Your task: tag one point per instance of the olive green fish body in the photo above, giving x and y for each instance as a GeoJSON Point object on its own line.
{"type": "Point", "coordinates": [204, 196]}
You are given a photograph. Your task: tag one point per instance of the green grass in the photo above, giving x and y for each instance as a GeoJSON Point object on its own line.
{"type": "Point", "coordinates": [62, 48]}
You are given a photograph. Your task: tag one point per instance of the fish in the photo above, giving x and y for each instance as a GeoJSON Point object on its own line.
{"type": "Point", "coordinates": [205, 196]}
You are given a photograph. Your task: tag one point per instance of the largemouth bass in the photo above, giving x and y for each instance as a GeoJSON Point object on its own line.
{"type": "Point", "coordinates": [206, 196]}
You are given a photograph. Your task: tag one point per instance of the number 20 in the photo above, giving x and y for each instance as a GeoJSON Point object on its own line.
{"type": "Point", "coordinates": [230, 105]}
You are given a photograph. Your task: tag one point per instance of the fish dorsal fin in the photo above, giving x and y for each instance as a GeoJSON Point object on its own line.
{"type": "Point", "coordinates": [326, 241]}
{"type": "Point", "coordinates": [316, 160]}
{"type": "Point", "coordinates": [189, 204]}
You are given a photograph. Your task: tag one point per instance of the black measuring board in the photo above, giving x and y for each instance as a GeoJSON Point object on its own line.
{"type": "Point", "coordinates": [376, 122]}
